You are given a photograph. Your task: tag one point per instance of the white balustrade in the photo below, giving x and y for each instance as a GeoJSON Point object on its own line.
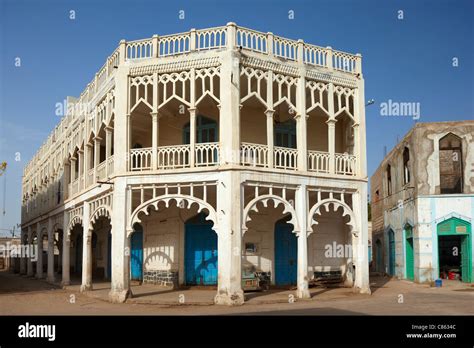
{"type": "Point", "coordinates": [110, 164]}
{"type": "Point", "coordinates": [211, 38]}
{"type": "Point", "coordinates": [285, 158]}
{"type": "Point", "coordinates": [285, 48]}
{"type": "Point", "coordinates": [90, 177]}
{"type": "Point", "coordinates": [252, 40]}
{"type": "Point", "coordinates": [207, 154]}
{"type": "Point", "coordinates": [170, 45]}
{"type": "Point", "coordinates": [174, 156]}
{"type": "Point", "coordinates": [139, 49]}
{"type": "Point", "coordinates": [345, 164]}
{"type": "Point", "coordinates": [344, 61]}
{"type": "Point", "coordinates": [255, 155]}
{"type": "Point", "coordinates": [101, 173]}
{"type": "Point", "coordinates": [140, 159]}
{"type": "Point", "coordinates": [314, 55]}
{"type": "Point", "coordinates": [318, 161]}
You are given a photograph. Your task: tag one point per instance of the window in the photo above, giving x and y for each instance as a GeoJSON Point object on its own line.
{"type": "Point", "coordinates": [406, 169]}
{"type": "Point", "coordinates": [450, 164]}
{"type": "Point", "coordinates": [389, 180]}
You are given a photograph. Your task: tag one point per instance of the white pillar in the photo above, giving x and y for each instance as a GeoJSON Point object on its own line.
{"type": "Point", "coordinates": [81, 168]}
{"type": "Point", "coordinates": [359, 202]}
{"type": "Point", "coordinates": [86, 250]}
{"type": "Point", "coordinates": [154, 140]}
{"type": "Point", "coordinates": [50, 251]}
{"type": "Point", "coordinates": [270, 144]}
{"type": "Point", "coordinates": [29, 262]}
{"type": "Point", "coordinates": [39, 243]}
{"type": "Point", "coordinates": [301, 133]}
{"type": "Point", "coordinates": [108, 148]}
{"type": "Point", "coordinates": [331, 144]}
{"type": "Point", "coordinates": [97, 141]}
{"type": "Point", "coordinates": [73, 169]}
{"type": "Point", "coordinates": [192, 137]}
{"type": "Point", "coordinates": [120, 284]}
{"type": "Point", "coordinates": [66, 251]}
{"type": "Point", "coordinates": [23, 257]}
{"type": "Point", "coordinates": [301, 202]}
{"type": "Point", "coordinates": [229, 240]}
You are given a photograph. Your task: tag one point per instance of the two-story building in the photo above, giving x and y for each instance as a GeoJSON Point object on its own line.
{"type": "Point", "coordinates": [191, 158]}
{"type": "Point", "coordinates": [423, 204]}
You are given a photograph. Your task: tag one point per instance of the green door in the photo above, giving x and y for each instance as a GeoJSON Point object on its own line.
{"type": "Point", "coordinates": [458, 227]}
{"type": "Point", "coordinates": [466, 268]}
{"type": "Point", "coordinates": [410, 263]}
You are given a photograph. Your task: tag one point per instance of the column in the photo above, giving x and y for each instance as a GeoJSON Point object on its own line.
{"type": "Point", "coordinates": [66, 250]}
{"type": "Point", "coordinates": [108, 148]}
{"type": "Point", "coordinates": [87, 160]}
{"type": "Point", "coordinates": [86, 250]}
{"type": "Point", "coordinates": [301, 133]}
{"type": "Point", "coordinates": [29, 263]}
{"type": "Point", "coordinates": [229, 240]}
{"type": "Point", "coordinates": [39, 243]}
{"type": "Point", "coordinates": [229, 113]}
{"type": "Point", "coordinates": [359, 202]}
{"type": "Point", "coordinates": [331, 122]}
{"type": "Point", "coordinates": [73, 169]}
{"type": "Point", "coordinates": [270, 137]}
{"type": "Point", "coordinates": [81, 170]}
{"type": "Point", "coordinates": [332, 144]}
{"type": "Point", "coordinates": [154, 140]}
{"type": "Point", "coordinates": [23, 256]}
{"type": "Point", "coordinates": [50, 273]}
{"type": "Point", "coordinates": [97, 141]}
{"type": "Point", "coordinates": [192, 136]}
{"type": "Point", "coordinates": [120, 283]}
{"type": "Point", "coordinates": [301, 207]}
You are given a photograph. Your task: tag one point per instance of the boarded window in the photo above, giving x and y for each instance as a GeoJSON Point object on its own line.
{"type": "Point", "coordinates": [450, 164]}
{"type": "Point", "coordinates": [389, 180]}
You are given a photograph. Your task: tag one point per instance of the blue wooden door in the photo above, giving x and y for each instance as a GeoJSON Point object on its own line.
{"type": "Point", "coordinates": [391, 253]}
{"type": "Point", "coordinates": [200, 254]}
{"type": "Point", "coordinates": [136, 254]}
{"type": "Point", "coordinates": [285, 254]}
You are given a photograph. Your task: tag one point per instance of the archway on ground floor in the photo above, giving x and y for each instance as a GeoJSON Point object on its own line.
{"type": "Point", "coordinates": [332, 245]}
{"type": "Point", "coordinates": [269, 243]}
{"type": "Point", "coordinates": [101, 248]}
{"type": "Point", "coordinates": [179, 243]}
{"type": "Point", "coordinates": [76, 250]}
{"type": "Point", "coordinates": [455, 249]}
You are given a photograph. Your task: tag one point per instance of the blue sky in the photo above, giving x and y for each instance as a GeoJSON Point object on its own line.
{"type": "Point", "coordinates": [404, 60]}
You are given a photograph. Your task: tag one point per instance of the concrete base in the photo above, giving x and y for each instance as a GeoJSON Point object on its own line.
{"type": "Point", "coordinates": [235, 299]}
{"type": "Point", "coordinates": [303, 294]}
{"type": "Point", "coordinates": [86, 287]}
{"type": "Point", "coordinates": [65, 283]}
{"type": "Point", "coordinates": [365, 290]}
{"type": "Point", "coordinates": [118, 296]}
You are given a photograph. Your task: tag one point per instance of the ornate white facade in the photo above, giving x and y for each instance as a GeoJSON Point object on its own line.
{"type": "Point", "coordinates": [245, 127]}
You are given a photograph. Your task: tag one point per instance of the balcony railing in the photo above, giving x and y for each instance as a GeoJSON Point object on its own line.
{"type": "Point", "coordinates": [285, 158]}
{"type": "Point", "coordinates": [318, 161]}
{"type": "Point", "coordinates": [345, 164]}
{"type": "Point", "coordinates": [207, 154]}
{"type": "Point", "coordinates": [101, 171]}
{"type": "Point", "coordinates": [140, 159]}
{"type": "Point", "coordinates": [254, 155]}
{"type": "Point", "coordinates": [173, 157]}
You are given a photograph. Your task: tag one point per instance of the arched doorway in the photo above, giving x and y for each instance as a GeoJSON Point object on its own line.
{"type": "Point", "coordinates": [200, 251]}
{"type": "Point", "coordinates": [391, 253]}
{"type": "Point", "coordinates": [286, 250]}
{"type": "Point", "coordinates": [455, 249]}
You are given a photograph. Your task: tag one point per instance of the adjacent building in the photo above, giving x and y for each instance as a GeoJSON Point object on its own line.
{"type": "Point", "coordinates": [193, 158]}
{"type": "Point", "coordinates": [423, 204]}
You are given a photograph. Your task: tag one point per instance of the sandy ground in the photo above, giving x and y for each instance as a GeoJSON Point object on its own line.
{"type": "Point", "coordinates": [25, 296]}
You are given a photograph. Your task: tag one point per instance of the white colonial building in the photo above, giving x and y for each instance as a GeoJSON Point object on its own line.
{"type": "Point", "coordinates": [197, 157]}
